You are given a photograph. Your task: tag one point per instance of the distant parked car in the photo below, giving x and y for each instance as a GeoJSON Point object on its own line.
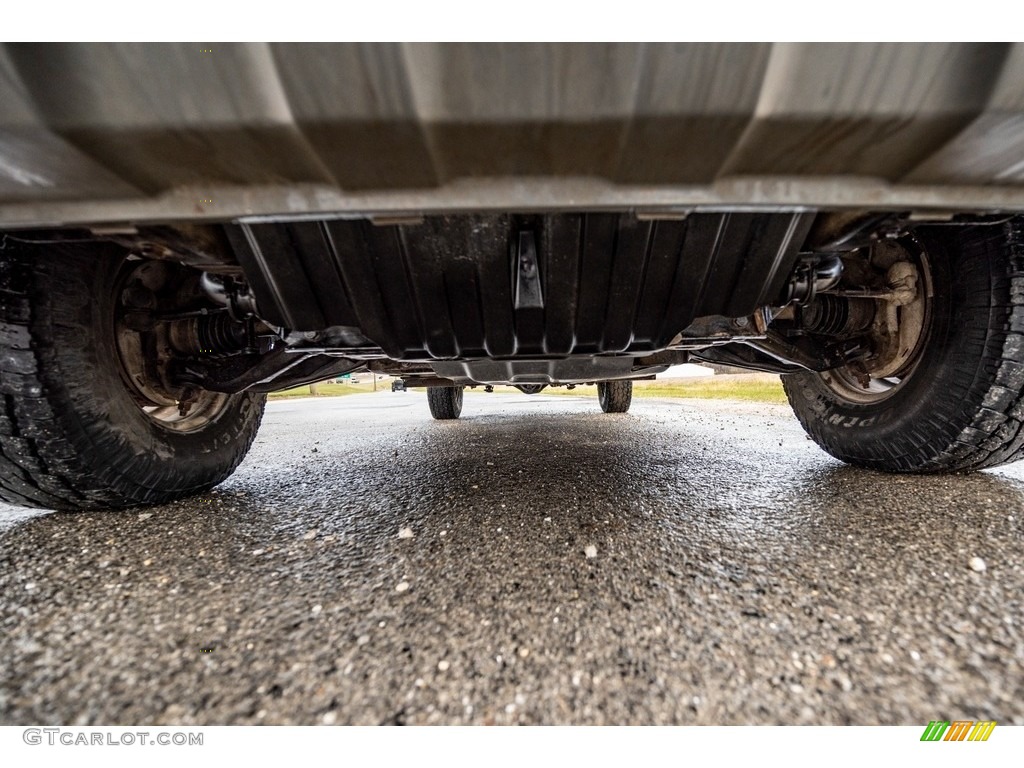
{"type": "Point", "coordinates": [398, 385]}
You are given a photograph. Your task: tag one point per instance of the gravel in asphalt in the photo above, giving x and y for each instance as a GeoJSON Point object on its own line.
{"type": "Point", "coordinates": [534, 562]}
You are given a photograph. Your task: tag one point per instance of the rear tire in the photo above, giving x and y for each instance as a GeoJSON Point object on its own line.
{"type": "Point", "coordinates": [960, 408]}
{"type": "Point", "coordinates": [445, 402]}
{"type": "Point", "coordinates": [72, 434]}
{"type": "Point", "coordinates": [615, 396]}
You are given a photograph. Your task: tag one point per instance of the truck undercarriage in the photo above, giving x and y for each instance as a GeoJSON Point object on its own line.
{"type": "Point", "coordinates": [181, 234]}
{"type": "Point", "coordinates": [534, 299]}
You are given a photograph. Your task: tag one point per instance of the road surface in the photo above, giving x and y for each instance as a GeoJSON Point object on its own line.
{"type": "Point", "coordinates": [535, 562]}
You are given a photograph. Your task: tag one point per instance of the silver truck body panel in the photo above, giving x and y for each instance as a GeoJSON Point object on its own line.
{"type": "Point", "coordinates": [109, 133]}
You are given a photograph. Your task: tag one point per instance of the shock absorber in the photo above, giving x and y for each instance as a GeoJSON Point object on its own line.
{"type": "Point", "coordinates": [233, 294]}
{"type": "Point", "coordinates": [813, 275]}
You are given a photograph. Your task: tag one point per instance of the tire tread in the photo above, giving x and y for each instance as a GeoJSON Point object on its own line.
{"type": "Point", "coordinates": [615, 396]}
{"type": "Point", "coordinates": [986, 385]}
{"type": "Point", "coordinates": [41, 460]}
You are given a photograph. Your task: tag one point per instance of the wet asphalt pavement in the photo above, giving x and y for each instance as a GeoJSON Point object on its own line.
{"type": "Point", "coordinates": [690, 562]}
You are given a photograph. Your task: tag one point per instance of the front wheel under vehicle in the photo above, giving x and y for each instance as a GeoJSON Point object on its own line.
{"type": "Point", "coordinates": [950, 399]}
{"type": "Point", "coordinates": [86, 421]}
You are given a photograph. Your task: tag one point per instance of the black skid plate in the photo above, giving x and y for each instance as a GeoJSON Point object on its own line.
{"type": "Point", "coordinates": [507, 286]}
